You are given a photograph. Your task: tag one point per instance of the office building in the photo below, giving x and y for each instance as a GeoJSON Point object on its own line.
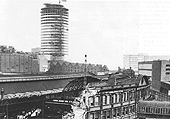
{"type": "Point", "coordinates": [132, 60]}
{"type": "Point", "coordinates": [54, 29]}
{"type": "Point", "coordinates": [159, 71]}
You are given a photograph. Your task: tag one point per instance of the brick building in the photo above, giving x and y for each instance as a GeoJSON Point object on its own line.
{"type": "Point", "coordinates": [68, 67]}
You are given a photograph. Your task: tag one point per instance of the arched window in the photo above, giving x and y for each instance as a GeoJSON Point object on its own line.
{"type": "Point", "coordinates": [96, 115]}
{"type": "Point", "coordinates": [147, 109]}
{"type": "Point", "coordinates": [115, 98]}
{"type": "Point", "coordinates": [143, 109]}
{"type": "Point", "coordinates": [124, 109]}
{"type": "Point", "coordinates": [114, 112]}
{"type": "Point", "coordinates": [165, 111]}
{"type": "Point", "coordinates": [91, 115]}
{"type": "Point", "coordinates": [104, 99]}
{"type": "Point", "coordinates": [112, 98]}
{"type": "Point", "coordinates": [91, 101]}
{"type": "Point", "coordinates": [97, 100]}
{"type": "Point", "coordinates": [127, 110]}
{"type": "Point", "coordinates": [108, 99]}
{"type": "Point", "coordinates": [124, 96]}
{"type": "Point", "coordinates": [108, 112]}
{"type": "Point", "coordinates": [159, 110]}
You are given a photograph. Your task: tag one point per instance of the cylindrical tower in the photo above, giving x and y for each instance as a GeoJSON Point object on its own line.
{"type": "Point", "coordinates": [54, 30]}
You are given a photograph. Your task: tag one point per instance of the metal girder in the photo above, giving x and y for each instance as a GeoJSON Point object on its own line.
{"type": "Point", "coordinates": [74, 85]}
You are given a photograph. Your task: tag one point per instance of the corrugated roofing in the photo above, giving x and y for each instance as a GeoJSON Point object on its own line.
{"type": "Point", "coordinates": [22, 87]}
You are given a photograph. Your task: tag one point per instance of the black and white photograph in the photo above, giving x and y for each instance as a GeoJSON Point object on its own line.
{"type": "Point", "coordinates": [84, 59]}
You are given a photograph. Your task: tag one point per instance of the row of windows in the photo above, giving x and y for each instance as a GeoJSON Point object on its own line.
{"type": "Point", "coordinates": [45, 39]}
{"type": "Point", "coordinates": [66, 14]}
{"type": "Point", "coordinates": [57, 30]}
{"type": "Point", "coordinates": [58, 11]}
{"type": "Point", "coordinates": [167, 65]}
{"type": "Point", "coordinates": [56, 34]}
{"type": "Point", "coordinates": [167, 73]}
{"type": "Point", "coordinates": [116, 98]}
{"type": "Point", "coordinates": [154, 110]}
{"type": "Point", "coordinates": [116, 112]}
{"type": "Point", "coordinates": [54, 17]}
{"type": "Point", "coordinates": [55, 22]}
{"type": "Point", "coordinates": [74, 69]}
{"type": "Point", "coordinates": [53, 25]}
{"type": "Point", "coordinates": [111, 99]}
{"type": "Point", "coordinates": [167, 69]}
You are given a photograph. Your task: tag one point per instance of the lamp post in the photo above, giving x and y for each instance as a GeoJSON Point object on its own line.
{"type": "Point", "coordinates": [2, 94]}
{"type": "Point", "coordinates": [85, 71]}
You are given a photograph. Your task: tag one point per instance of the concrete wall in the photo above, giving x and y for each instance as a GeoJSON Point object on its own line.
{"type": "Point", "coordinates": [153, 69]}
{"type": "Point", "coordinates": [156, 74]}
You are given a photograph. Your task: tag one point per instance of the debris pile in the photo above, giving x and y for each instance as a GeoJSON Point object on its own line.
{"type": "Point", "coordinates": [80, 105]}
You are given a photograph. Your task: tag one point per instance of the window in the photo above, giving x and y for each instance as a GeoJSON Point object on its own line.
{"type": "Point", "coordinates": [91, 115]}
{"type": "Point", "coordinates": [104, 115]}
{"type": "Point", "coordinates": [127, 96]}
{"type": "Point", "coordinates": [159, 110]}
{"type": "Point", "coordinates": [130, 109]}
{"type": "Point", "coordinates": [96, 115]}
{"type": "Point", "coordinates": [114, 112]}
{"type": "Point", "coordinates": [124, 109]}
{"type": "Point", "coordinates": [127, 110]}
{"type": "Point", "coordinates": [112, 99]}
{"type": "Point", "coordinates": [167, 73]}
{"type": "Point", "coordinates": [108, 114]}
{"type": "Point", "coordinates": [168, 111]}
{"type": "Point", "coordinates": [124, 96]}
{"type": "Point", "coordinates": [115, 98]}
{"type": "Point", "coordinates": [132, 96]}
{"type": "Point", "coordinates": [154, 110]}
{"type": "Point", "coordinates": [143, 109]}
{"type": "Point", "coordinates": [108, 99]}
{"type": "Point", "coordinates": [165, 111]}
{"type": "Point", "coordinates": [96, 101]}
{"type": "Point", "coordinates": [147, 110]}
{"type": "Point", "coordinates": [167, 65]}
{"type": "Point", "coordinates": [118, 111]}
{"type": "Point", "coordinates": [133, 109]}
{"type": "Point", "coordinates": [104, 99]}
{"type": "Point", "coordinates": [151, 110]}
{"type": "Point", "coordinates": [91, 101]}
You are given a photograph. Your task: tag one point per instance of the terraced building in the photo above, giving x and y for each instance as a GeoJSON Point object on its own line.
{"type": "Point", "coordinates": [54, 30]}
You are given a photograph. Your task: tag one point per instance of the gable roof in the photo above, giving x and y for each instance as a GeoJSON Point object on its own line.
{"type": "Point", "coordinates": [60, 62]}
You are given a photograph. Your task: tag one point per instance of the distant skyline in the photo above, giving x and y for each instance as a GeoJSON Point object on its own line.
{"type": "Point", "coordinates": [103, 30]}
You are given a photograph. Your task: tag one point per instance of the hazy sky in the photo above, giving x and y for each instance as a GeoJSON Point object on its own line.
{"type": "Point", "coordinates": [104, 30]}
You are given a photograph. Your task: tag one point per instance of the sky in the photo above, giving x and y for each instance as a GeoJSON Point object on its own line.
{"type": "Point", "coordinates": [103, 30]}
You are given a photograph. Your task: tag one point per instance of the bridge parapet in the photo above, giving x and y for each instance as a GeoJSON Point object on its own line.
{"type": "Point", "coordinates": [37, 78]}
